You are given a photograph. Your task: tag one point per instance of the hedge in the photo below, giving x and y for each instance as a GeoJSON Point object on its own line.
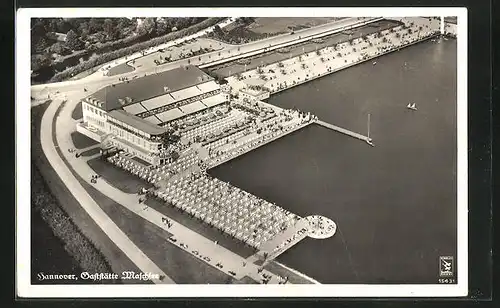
{"type": "Point", "coordinates": [77, 245]}
{"type": "Point", "coordinates": [127, 51]}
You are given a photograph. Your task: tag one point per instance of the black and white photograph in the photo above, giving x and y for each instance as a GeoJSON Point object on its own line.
{"type": "Point", "coordinates": [296, 151]}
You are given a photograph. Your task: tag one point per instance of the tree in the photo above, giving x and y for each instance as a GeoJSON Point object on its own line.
{"type": "Point", "coordinates": [58, 48]}
{"type": "Point", "coordinates": [162, 28]}
{"type": "Point", "coordinates": [148, 27]}
{"type": "Point", "coordinates": [62, 26]}
{"type": "Point", "coordinates": [38, 29]}
{"type": "Point", "coordinates": [39, 45]}
{"type": "Point", "coordinates": [218, 31]}
{"type": "Point", "coordinates": [84, 29]}
{"type": "Point", "coordinates": [73, 41]}
{"type": "Point", "coordinates": [39, 61]}
{"type": "Point", "coordinates": [110, 29]}
{"type": "Point", "coordinates": [95, 25]}
{"type": "Point", "coordinates": [52, 25]}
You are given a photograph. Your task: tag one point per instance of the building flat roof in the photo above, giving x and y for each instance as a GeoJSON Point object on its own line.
{"type": "Point", "coordinates": [136, 122]}
{"type": "Point", "coordinates": [143, 88]}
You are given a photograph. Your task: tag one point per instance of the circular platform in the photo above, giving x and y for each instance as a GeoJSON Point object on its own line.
{"type": "Point", "coordinates": [320, 227]}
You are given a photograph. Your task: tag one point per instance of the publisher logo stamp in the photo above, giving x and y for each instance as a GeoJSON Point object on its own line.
{"type": "Point", "coordinates": [446, 266]}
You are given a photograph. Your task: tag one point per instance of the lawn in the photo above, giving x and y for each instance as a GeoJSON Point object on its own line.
{"type": "Point", "coordinates": [77, 112]}
{"type": "Point", "coordinates": [81, 141]}
{"type": "Point", "coordinates": [120, 69]}
{"type": "Point", "coordinates": [274, 25]}
{"type": "Point", "coordinates": [117, 177]}
{"type": "Point", "coordinates": [91, 152]}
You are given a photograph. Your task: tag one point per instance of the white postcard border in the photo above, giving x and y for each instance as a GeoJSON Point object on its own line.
{"type": "Point", "coordinates": [23, 169]}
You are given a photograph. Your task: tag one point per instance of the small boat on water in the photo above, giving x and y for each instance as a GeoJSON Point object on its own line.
{"type": "Point", "coordinates": [374, 62]}
{"type": "Point", "coordinates": [411, 106]}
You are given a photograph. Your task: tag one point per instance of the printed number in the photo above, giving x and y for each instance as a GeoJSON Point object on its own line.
{"type": "Point", "coordinates": [447, 280]}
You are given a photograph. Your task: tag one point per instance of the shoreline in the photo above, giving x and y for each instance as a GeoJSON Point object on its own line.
{"type": "Point", "coordinates": [351, 64]}
{"type": "Point", "coordinates": [225, 160]}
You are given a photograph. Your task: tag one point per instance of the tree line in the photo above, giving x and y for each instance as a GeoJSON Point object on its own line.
{"type": "Point", "coordinates": [95, 34]}
{"type": "Point", "coordinates": [108, 39]}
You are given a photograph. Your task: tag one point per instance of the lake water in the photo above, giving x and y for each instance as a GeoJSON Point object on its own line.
{"type": "Point", "coordinates": [395, 203]}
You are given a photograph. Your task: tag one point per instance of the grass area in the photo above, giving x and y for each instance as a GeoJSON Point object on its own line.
{"type": "Point", "coordinates": [284, 24]}
{"type": "Point", "coordinates": [81, 141]}
{"type": "Point", "coordinates": [245, 280]}
{"type": "Point", "coordinates": [77, 112]}
{"type": "Point", "coordinates": [91, 152]}
{"type": "Point", "coordinates": [85, 73]}
{"type": "Point", "coordinates": [239, 35]}
{"type": "Point", "coordinates": [82, 239]}
{"type": "Point", "coordinates": [211, 233]}
{"type": "Point", "coordinates": [293, 278]}
{"type": "Point", "coordinates": [120, 69]}
{"type": "Point", "coordinates": [117, 177]}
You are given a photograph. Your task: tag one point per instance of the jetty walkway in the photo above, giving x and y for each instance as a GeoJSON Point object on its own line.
{"type": "Point", "coordinates": [343, 130]}
{"type": "Point", "coordinates": [283, 241]}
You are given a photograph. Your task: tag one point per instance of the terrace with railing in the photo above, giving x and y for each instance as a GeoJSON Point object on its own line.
{"type": "Point", "coordinates": [232, 120]}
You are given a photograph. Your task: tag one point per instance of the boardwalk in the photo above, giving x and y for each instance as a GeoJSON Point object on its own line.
{"type": "Point", "coordinates": [343, 130]}
{"type": "Point", "coordinates": [284, 241]}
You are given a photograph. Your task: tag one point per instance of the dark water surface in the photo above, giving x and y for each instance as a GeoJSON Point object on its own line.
{"type": "Point", "coordinates": [395, 203]}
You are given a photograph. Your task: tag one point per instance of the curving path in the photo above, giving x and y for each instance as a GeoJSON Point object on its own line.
{"type": "Point", "coordinates": [88, 204]}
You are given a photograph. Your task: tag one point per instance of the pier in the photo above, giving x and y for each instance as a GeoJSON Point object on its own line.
{"type": "Point", "coordinates": [343, 131]}
{"type": "Point", "coordinates": [283, 241]}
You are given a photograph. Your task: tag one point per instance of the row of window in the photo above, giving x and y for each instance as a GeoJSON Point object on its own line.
{"type": "Point", "coordinates": [93, 109]}
{"type": "Point", "coordinates": [127, 128]}
{"type": "Point", "coordinates": [140, 155]}
{"type": "Point", "coordinates": [132, 137]}
{"type": "Point", "coordinates": [94, 121]}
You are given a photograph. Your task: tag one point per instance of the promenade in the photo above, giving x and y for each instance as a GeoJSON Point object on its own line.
{"type": "Point", "coordinates": [300, 69]}
{"type": "Point", "coordinates": [284, 241]}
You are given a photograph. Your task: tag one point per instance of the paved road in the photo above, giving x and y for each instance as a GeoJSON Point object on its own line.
{"type": "Point", "coordinates": [91, 207]}
{"type": "Point", "coordinates": [229, 54]}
